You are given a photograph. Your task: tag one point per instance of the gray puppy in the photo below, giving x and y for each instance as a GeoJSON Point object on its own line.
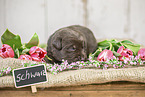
{"type": "Point", "coordinates": [72, 43]}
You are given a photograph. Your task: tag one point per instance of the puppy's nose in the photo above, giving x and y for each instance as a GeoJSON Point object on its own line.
{"type": "Point", "coordinates": [82, 59]}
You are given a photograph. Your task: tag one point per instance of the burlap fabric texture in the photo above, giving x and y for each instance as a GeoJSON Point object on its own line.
{"type": "Point", "coordinates": [77, 77]}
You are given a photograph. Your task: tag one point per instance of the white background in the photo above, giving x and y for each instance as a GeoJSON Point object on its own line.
{"type": "Point", "coordinates": [121, 19]}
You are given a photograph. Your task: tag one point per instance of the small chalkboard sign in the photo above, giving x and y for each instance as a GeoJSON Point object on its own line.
{"type": "Point", "coordinates": [28, 76]}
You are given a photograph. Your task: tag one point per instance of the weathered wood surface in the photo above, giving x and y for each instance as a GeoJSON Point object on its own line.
{"type": "Point", "coordinates": [113, 89]}
{"type": "Point", "coordinates": [23, 17]}
{"type": "Point", "coordinates": [106, 18]}
{"type": "Point", "coordinates": [63, 13]}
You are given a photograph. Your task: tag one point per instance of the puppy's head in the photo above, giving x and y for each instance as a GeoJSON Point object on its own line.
{"type": "Point", "coordinates": [68, 46]}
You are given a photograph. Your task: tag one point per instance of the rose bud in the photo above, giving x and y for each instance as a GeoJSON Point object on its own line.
{"type": "Point", "coordinates": [104, 55]}
{"type": "Point", "coordinates": [141, 53]}
{"type": "Point", "coordinates": [127, 53]}
{"type": "Point", "coordinates": [6, 51]}
{"type": "Point", "coordinates": [37, 53]}
{"type": "Point", "coordinates": [25, 57]}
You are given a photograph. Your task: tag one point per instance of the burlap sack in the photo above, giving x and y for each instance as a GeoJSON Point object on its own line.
{"type": "Point", "coordinates": [78, 77]}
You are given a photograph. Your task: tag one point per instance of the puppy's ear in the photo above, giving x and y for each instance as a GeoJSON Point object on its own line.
{"type": "Point", "coordinates": [57, 43]}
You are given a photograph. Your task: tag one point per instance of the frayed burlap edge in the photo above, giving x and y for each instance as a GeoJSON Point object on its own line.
{"type": "Point", "coordinates": [86, 76]}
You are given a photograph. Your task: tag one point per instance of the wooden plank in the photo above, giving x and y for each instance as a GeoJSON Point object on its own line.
{"type": "Point", "coordinates": [25, 17]}
{"type": "Point", "coordinates": [123, 86]}
{"type": "Point", "coordinates": [74, 94]}
{"type": "Point", "coordinates": [108, 18]}
{"type": "Point", "coordinates": [63, 13]}
{"type": "Point", "coordinates": [101, 87]}
{"type": "Point", "coordinates": [113, 89]}
{"type": "Point", "coordinates": [137, 19]}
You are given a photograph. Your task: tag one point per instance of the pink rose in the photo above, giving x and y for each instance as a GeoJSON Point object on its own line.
{"type": "Point", "coordinates": [104, 55]}
{"type": "Point", "coordinates": [6, 51]}
{"type": "Point", "coordinates": [127, 53]}
{"type": "Point", "coordinates": [37, 53]}
{"type": "Point", "coordinates": [141, 53]}
{"type": "Point", "coordinates": [25, 57]}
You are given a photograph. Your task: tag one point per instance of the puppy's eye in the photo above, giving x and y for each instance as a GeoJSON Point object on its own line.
{"type": "Point", "coordinates": [72, 48]}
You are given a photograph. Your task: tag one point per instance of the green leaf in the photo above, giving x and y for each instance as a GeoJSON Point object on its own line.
{"type": "Point", "coordinates": [25, 51]}
{"type": "Point", "coordinates": [134, 47]}
{"type": "Point", "coordinates": [17, 53]}
{"type": "Point", "coordinates": [43, 46]}
{"type": "Point", "coordinates": [26, 64]}
{"type": "Point", "coordinates": [127, 41]}
{"type": "Point", "coordinates": [96, 53]}
{"type": "Point", "coordinates": [116, 54]}
{"type": "Point", "coordinates": [108, 44]}
{"type": "Point", "coordinates": [115, 47]}
{"type": "Point", "coordinates": [119, 44]}
{"type": "Point", "coordinates": [111, 47]}
{"type": "Point", "coordinates": [33, 64]}
{"type": "Point", "coordinates": [11, 39]}
{"type": "Point", "coordinates": [33, 42]}
{"type": "Point", "coordinates": [104, 44]}
{"type": "Point", "coordinates": [130, 45]}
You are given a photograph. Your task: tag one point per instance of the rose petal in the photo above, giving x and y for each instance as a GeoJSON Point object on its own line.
{"type": "Point", "coordinates": [121, 48]}
{"type": "Point", "coordinates": [25, 57]}
{"type": "Point", "coordinates": [32, 50]}
{"type": "Point", "coordinates": [141, 53]}
{"type": "Point", "coordinates": [36, 59]}
{"type": "Point", "coordinates": [6, 51]}
{"type": "Point", "coordinates": [37, 53]}
{"type": "Point", "coordinates": [104, 55]}
{"type": "Point", "coordinates": [109, 54]}
{"type": "Point", "coordinates": [127, 53]}
{"type": "Point", "coordinates": [1, 54]}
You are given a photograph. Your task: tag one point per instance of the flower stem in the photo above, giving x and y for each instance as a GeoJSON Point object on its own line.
{"type": "Point", "coordinates": [48, 58]}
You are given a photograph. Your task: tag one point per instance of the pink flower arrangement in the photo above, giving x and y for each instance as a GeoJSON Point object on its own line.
{"type": "Point", "coordinates": [105, 55]}
{"type": "Point", "coordinates": [6, 51]}
{"type": "Point", "coordinates": [127, 53]}
{"type": "Point", "coordinates": [36, 53]}
{"type": "Point", "coordinates": [141, 53]}
{"type": "Point", "coordinates": [105, 59]}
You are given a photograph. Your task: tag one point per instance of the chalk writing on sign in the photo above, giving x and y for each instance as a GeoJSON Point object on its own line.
{"type": "Point", "coordinates": [29, 75]}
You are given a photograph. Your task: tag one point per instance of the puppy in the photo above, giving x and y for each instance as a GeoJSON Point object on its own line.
{"type": "Point", "coordinates": [72, 43]}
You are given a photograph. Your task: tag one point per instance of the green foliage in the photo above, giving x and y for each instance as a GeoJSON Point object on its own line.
{"type": "Point", "coordinates": [25, 51]}
{"type": "Point", "coordinates": [43, 46]}
{"type": "Point", "coordinates": [29, 64]}
{"type": "Point", "coordinates": [17, 53]}
{"type": "Point", "coordinates": [15, 42]}
{"type": "Point", "coordinates": [113, 45]}
{"type": "Point", "coordinates": [128, 44]}
{"type": "Point", "coordinates": [11, 39]}
{"type": "Point", "coordinates": [33, 42]}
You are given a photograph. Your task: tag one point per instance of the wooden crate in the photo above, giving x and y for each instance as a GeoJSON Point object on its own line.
{"type": "Point", "coordinates": [111, 89]}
